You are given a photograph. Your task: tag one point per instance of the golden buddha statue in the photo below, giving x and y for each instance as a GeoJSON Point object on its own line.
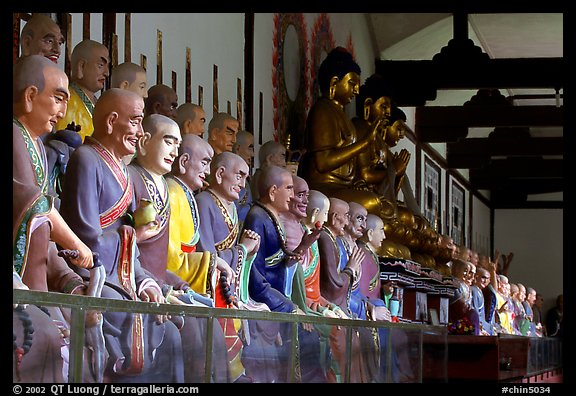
{"type": "Point", "coordinates": [332, 142]}
{"type": "Point", "coordinates": [447, 251]}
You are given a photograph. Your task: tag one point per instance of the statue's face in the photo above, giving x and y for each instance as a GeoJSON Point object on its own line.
{"type": "Point", "coordinates": [50, 104]}
{"type": "Point", "coordinates": [347, 88]}
{"type": "Point", "coordinates": [357, 223]}
{"type": "Point", "coordinates": [284, 194]}
{"type": "Point", "coordinates": [471, 273]}
{"type": "Point", "coordinates": [198, 166]}
{"type": "Point", "coordinates": [223, 139]}
{"type": "Point", "coordinates": [396, 132]}
{"type": "Point", "coordinates": [278, 158]}
{"type": "Point", "coordinates": [197, 125]}
{"type": "Point", "coordinates": [140, 85]}
{"type": "Point", "coordinates": [169, 106]}
{"type": "Point", "coordinates": [127, 128]}
{"type": "Point", "coordinates": [461, 272]}
{"type": "Point", "coordinates": [47, 41]}
{"type": "Point", "coordinates": [246, 149]}
{"type": "Point", "coordinates": [482, 278]}
{"type": "Point", "coordinates": [378, 234]}
{"type": "Point", "coordinates": [322, 215]}
{"type": "Point", "coordinates": [299, 202]}
{"type": "Point", "coordinates": [381, 108]}
{"type": "Point", "coordinates": [161, 149]}
{"type": "Point", "coordinates": [339, 219]}
{"type": "Point", "coordinates": [522, 293]}
{"type": "Point", "coordinates": [96, 69]}
{"type": "Point", "coordinates": [233, 180]}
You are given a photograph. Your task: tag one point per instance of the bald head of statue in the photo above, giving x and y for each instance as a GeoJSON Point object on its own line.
{"type": "Point", "coordinates": [162, 99]}
{"type": "Point", "coordinates": [357, 223]}
{"type": "Point", "coordinates": [244, 146]}
{"type": "Point", "coordinates": [229, 172]}
{"type": "Point", "coordinates": [317, 209]}
{"type": "Point", "coordinates": [192, 165]}
{"type": "Point", "coordinates": [130, 76]}
{"type": "Point", "coordinates": [90, 66]}
{"type": "Point", "coordinates": [191, 118]}
{"type": "Point", "coordinates": [276, 188]}
{"type": "Point", "coordinates": [222, 131]}
{"type": "Point", "coordinates": [158, 148]}
{"type": "Point", "coordinates": [117, 118]}
{"type": "Point", "coordinates": [338, 216]}
{"type": "Point", "coordinates": [41, 36]}
{"type": "Point", "coordinates": [39, 93]}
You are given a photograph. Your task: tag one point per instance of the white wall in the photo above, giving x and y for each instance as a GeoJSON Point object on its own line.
{"type": "Point", "coordinates": [536, 237]}
{"type": "Point", "coordinates": [480, 233]}
{"type": "Point", "coordinates": [214, 39]}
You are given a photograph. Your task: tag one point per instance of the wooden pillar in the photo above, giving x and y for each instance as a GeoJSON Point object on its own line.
{"type": "Point", "coordinates": [159, 57]}
{"type": "Point", "coordinates": [108, 33]}
{"type": "Point", "coordinates": [188, 76]}
{"type": "Point", "coordinates": [249, 72]}
{"type": "Point", "coordinates": [66, 27]}
{"type": "Point", "coordinates": [127, 37]}
{"type": "Point", "coordinates": [86, 26]}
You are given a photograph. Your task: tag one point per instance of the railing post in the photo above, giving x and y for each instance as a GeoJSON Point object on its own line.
{"type": "Point", "coordinates": [209, 342]}
{"type": "Point", "coordinates": [349, 332]}
{"type": "Point", "coordinates": [389, 356]}
{"type": "Point", "coordinates": [294, 355]}
{"type": "Point", "coordinates": [77, 327]}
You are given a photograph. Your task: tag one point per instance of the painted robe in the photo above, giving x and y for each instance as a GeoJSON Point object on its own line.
{"type": "Point", "coordinates": [154, 258]}
{"type": "Point", "coordinates": [79, 111]}
{"type": "Point", "coordinates": [96, 198]}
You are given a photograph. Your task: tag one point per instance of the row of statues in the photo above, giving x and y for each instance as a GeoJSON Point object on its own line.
{"type": "Point", "coordinates": [146, 209]}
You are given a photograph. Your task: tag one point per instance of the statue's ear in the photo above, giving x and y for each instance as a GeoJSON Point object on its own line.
{"type": "Point", "coordinates": [367, 104]}
{"type": "Point", "coordinates": [143, 142]}
{"type": "Point", "coordinates": [369, 234]}
{"type": "Point", "coordinates": [331, 217]}
{"type": "Point", "coordinates": [186, 126]}
{"type": "Point", "coordinates": [313, 215]}
{"type": "Point", "coordinates": [124, 84]}
{"type": "Point", "coordinates": [80, 69]}
{"type": "Point", "coordinates": [30, 94]}
{"type": "Point", "coordinates": [25, 44]}
{"type": "Point", "coordinates": [110, 120]}
{"type": "Point", "coordinates": [272, 192]}
{"type": "Point", "coordinates": [182, 162]}
{"type": "Point", "coordinates": [334, 80]}
{"type": "Point", "coordinates": [219, 174]}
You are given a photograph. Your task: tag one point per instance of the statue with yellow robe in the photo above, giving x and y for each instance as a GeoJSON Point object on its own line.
{"type": "Point", "coordinates": [90, 68]}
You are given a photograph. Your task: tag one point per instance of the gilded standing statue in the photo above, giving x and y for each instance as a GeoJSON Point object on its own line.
{"type": "Point", "coordinates": [332, 143]}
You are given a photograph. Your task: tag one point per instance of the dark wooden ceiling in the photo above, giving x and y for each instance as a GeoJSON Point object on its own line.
{"type": "Point", "coordinates": [519, 153]}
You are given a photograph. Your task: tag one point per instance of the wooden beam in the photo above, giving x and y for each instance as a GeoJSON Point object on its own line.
{"type": "Point", "coordinates": [523, 186]}
{"type": "Point", "coordinates": [449, 123]}
{"type": "Point", "coordinates": [461, 72]}
{"type": "Point", "coordinates": [521, 168]}
{"type": "Point", "coordinates": [526, 204]}
{"type": "Point", "coordinates": [488, 116]}
{"type": "Point", "coordinates": [475, 152]}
